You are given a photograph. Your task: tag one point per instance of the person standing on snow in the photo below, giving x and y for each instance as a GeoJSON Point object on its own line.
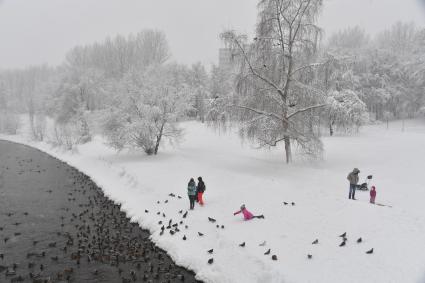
{"type": "Point", "coordinates": [200, 189]}
{"type": "Point", "coordinates": [372, 195]}
{"type": "Point", "coordinates": [246, 214]}
{"type": "Point", "coordinates": [353, 178]}
{"type": "Point", "coordinates": [191, 192]}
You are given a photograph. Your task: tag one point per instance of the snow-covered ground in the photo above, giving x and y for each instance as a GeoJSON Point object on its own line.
{"type": "Point", "coordinates": [235, 174]}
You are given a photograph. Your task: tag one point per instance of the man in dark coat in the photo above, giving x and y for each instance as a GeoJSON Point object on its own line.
{"type": "Point", "coordinates": [353, 178]}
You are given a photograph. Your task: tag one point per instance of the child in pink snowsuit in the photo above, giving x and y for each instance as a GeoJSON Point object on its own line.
{"type": "Point", "coordinates": [372, 195]}
{"type": "Point", "coordinates": [246, 214]}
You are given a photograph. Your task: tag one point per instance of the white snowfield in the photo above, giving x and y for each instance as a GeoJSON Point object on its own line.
{"type": "Point", "coordinates": [237, 174]}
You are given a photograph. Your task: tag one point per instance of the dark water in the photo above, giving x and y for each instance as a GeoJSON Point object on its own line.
{"type": "Point", "coordinates": [57, 226]}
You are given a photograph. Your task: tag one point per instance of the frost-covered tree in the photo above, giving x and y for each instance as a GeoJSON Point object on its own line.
{"type": "Point", "coordinates": [9, 120]}
{"type": "Point", "coordinates": [275, 85]}
{"type": "Point", "coordinates": [198, 83]}
{"type": "Point", "coordinates": [345, 111]}
{"type": "Point", "coordinates": [349, 38]}
{"type": "Point", "coordinates": [399, 38]}
{"type": "Point", "coordinates": [386, 73]}
{"type": "Point", "coordinates": [147, 111]}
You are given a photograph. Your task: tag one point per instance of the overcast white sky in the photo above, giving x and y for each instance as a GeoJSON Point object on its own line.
{"type": "Point", "coordinates": [42, 31]}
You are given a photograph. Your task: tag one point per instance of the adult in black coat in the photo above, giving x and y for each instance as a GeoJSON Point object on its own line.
{"type": "Point", "coordinates": [200, 189]}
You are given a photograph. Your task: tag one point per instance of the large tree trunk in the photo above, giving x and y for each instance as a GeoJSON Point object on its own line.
{"type": "Point", "coordinates": [288, 149]}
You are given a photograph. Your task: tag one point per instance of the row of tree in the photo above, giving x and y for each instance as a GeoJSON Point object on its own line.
{"type": "Point", "coordinates": [283, 86]}
{"type": "Point", "coordinates": [122, 88]}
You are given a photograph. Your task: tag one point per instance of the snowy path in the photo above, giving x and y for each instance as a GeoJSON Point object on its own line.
{"type": "Point", "coordinates": [236, 174]}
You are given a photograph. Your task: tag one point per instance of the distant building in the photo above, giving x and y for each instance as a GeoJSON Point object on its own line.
{"type": "Point", "coordinates": [225, 60]}
{"type": "Point", "coordinates": [229, 58]}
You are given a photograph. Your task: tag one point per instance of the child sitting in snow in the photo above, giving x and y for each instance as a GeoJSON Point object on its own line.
{"type": "Point", "coordinates": [372, 195]}
{"type": "Point", "coordinates": [246, 214]}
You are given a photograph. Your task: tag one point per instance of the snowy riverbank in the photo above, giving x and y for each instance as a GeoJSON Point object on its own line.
{"type": "Point", "coordinates": [236, 174]}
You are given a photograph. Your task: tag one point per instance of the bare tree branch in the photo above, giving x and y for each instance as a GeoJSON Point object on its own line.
{"type": "Point", "coordinates": [307, 66]}
{"type": "Point", "coordinates": [253, 71]}
{"type": "Point", "coordinates": [306, 109]}
{"type": "Point", "coordinates": [260, 112]}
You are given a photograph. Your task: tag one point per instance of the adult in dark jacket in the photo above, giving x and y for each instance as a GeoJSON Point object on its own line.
{"type": "Point", "coordinates": [353, 178]}
{"type": "Point", "coordinates": [191, 192]}
{"type": "Point", "coordinates": [200, 189]}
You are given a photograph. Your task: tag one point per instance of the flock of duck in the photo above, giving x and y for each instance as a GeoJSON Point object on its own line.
{"type": "Point", "coordinates": [94, 241]}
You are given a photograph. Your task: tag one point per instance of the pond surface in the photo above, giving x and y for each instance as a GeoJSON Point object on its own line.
{"type": "Point", "coordinates": [57, 226]}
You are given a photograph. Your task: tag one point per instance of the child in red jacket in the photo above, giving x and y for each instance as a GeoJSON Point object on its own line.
{"type": "Point", "coordinates": [372, 195]}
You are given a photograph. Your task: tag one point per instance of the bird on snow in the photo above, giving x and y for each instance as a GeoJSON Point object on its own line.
{"type": "Point", "coordinates": [222, 226]}
{"type": "Point", "coordinates": [343, 235]}
{"type": "Point", "coordinates": [262, 244]}
{"type": "Point", "coordinates": [274, 257]}
{"type": "Point", "coordinates": [210, 261]}
{"type": "Point", "coordinates": [211, 219]}
{"type": "Point", "coordinates": [370, 251]}
{"type": "Point", "coordinates": [315, 242]}
{"type": "Point", "coordinates": [184, 238]}
{"type": "Point", "coordinates": [268, 252]}
{"type": "Point", "coordinates": [359, 240]}
{"type": "Point", "coordinates": [185, 214]}
{"type": "Point", "coordinates": [309, 256]}
{"type": "Point", "coordinates": [146, 211]}
{"type": "Point", "coordinates": [293, 203]}
{"type": "Point", "coordinates": [210, 251]}
{"type": "Point", "coordinates": [200, 234]}
{"type": "Point", "coordinates": [285, 203]}
{"type": "Point", "coordinates": [342, 244]}
{"type": "Point", "coordinates": [242, 245]}
{"type": "Point", "coordinates": [181, 211]}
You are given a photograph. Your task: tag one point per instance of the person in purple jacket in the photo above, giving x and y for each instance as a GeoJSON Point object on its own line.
{"type": "Point", "coordinates": [246, 214]}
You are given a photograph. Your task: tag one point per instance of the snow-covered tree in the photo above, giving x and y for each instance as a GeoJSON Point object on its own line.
{"type": "Point", "coordinates": [349, 38]}
{"type": "Point", "coordinates": [150, 108]}
{"type": "Point", "coordinates": [276, 84]}
{"type": "Point", "coordinates": [345, 111]}
{"type": "Point", "coordinates": [198, 83]}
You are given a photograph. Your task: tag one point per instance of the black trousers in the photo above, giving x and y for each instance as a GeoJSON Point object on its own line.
{"type": "Point", "coordinates": [192, 201]}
